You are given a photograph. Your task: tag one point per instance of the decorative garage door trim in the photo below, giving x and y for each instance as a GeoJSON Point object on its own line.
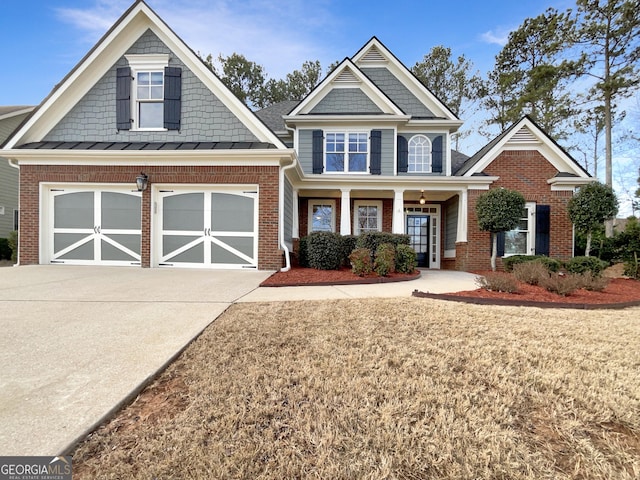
{"type": "Point", "coordinates": [205, 226]}
{"type": "Point", "coordinates": [91, 225]}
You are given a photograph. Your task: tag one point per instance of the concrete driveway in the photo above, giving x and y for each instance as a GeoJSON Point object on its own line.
{"type": "Point", "coordinates": [75, 342]}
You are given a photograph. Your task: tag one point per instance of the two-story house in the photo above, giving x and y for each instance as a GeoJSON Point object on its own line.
{"type": "Point", "coordinates": [141, 156]}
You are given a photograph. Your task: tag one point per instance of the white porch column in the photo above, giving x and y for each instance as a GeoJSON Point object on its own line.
{"type": "Point", "coordinates": [462, 216]}
{"type": "Point", "coordinates": [295, 223]}
{"type": "Point", "coordinates": [345, 212]}
{"type": "Point", "coordinates": [398, 212]}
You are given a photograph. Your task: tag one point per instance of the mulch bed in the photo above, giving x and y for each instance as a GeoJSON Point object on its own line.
{"type": "Point", "coordinates": [311, 277]}
{"type": "Point", "coordinates": [620, 293]}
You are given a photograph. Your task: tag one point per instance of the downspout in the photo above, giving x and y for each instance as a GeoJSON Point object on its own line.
{"type": "Point", "coordinates": [287, 253]}
{"type": "Point", "coordinates": [17, 167]}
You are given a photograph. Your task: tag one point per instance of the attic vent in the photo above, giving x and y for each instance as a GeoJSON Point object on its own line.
{"type": "Point", "coordinates": [523, 135]}
{"type": "Point", "coordinates": [373, 55]}
{"type": "Point", "coordinates": [346, 76]}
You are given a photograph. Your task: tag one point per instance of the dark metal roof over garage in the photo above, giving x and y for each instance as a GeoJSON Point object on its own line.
{"type": "Point", "coordinates": [147, 146]}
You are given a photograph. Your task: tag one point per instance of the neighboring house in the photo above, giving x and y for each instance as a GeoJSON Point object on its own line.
{"type": "Point", "coordinates": [10, 118]}
{"type": "Point", "coordinates": [369, 149]}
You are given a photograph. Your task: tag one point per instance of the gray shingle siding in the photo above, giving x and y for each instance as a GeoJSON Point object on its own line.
{"type": "Point", "coordinates": [451, 224]}
{"type": "Point", "coordinates": [388, 150]}
{"type": "Point", "coordinates": [8, 178]}
{"type": "Point", "coordinates": [203, 118]}
{"type": "Point", "coordinates": [346, 100]}
{"type": "Point", "coordinates": [397, 92]}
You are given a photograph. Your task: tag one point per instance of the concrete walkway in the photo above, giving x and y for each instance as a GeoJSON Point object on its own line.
{"type": "Point", "coordinates": [78, 342]}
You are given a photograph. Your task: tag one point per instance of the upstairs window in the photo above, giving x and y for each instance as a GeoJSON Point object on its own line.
{"type": "Point", "coordinates": [150, 99]}
{"type": "Point", "coordinates": [346, 152]}
{"type": "Point", "coordinates": [419, 154]}
{"type": "Point", "coordinates": [148, 94]}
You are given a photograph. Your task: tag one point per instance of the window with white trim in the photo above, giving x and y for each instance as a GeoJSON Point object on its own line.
{"type": "Point", "coordinates": [147, 94]}
{"type": "Point", "coordinates": [346, 152]}
{"type": "Point", "coordinates": [419, 154]}
{"type": "Point", "coordinates": [322, 216]}
{"type": "Point", "coordinates": [367, 216]}
{"type": "Point", "coordinates": [521, 240]}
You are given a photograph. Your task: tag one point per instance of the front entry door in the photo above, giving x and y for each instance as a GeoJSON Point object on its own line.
{"type": "Point", "coordinates": [418, 231]}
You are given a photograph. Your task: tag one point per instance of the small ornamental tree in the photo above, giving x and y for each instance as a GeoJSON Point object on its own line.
{"type": "Point", "coordinates": [499, 210]}
{"type": "Point", "coordinates": [591, 206]}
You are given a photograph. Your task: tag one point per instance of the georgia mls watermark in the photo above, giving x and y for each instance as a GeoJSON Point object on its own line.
{"type": "Point", "coordinates": [35, 468]}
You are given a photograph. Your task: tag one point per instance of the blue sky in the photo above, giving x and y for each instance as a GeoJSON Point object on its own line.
{"type": "Point", "coordinates": [43, 39]}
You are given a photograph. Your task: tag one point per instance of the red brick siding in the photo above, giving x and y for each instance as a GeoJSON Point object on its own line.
{"type": "Point", "coordinates": [526, 172]}
{"type": "Point", "coordinates": [269, 253]}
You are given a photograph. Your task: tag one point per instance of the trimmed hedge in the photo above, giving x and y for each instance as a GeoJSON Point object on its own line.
{"type": "Point", "coordinates": [348, 246]}
{"type": "Point", "coordinates": [361, 261]}
{"type": "Point", "coordinates": [324, 250]}
{"type": "Point", "coordinates": [372, 240]}
{"type": "Point", "coordinates": [406, 259]}
{"type": "Point", "coordinates": [385, 261]}
{"type": "Point", "coordinates": [13, 245]}
{"type": "Point", "coordinates": [303, 260]}
{"type": "Point", "coordinates": [552, 264]}
{"type": "Point", "coordinates": [586, 264]}
{"type": "Point", "coordinates": [5, 249]}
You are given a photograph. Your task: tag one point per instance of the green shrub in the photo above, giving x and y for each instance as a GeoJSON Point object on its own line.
{"type": "Point", "coordinates": [5, 249]}
{"type": "Point", "coordinates": [406, 259]}
{"type": "Point", "coordinates": [586, 264]}
{"type": "Point", "coordinates": [303, 260]}
{"type": "Point", "coordinates": [530, 272]}
{"type": "Point", "coordinates": [324, 250]}
{"type": "Point", "coordinates": [498, 282]}
{"type": "Point", "coordinates": [360, 259]}
{"type": "Point", "coordinates": [562, 284]}
{"type": "Point", "coordinates": [372, 240]}
{"type": "Point", "coordinates": [348, 246]}
{"type": "Point", "coordinates": [13, 245]}
{"type": "Point", "coordinates": [552, 264]}
{"type": "Point", "coordinates": [384, 263]}
{"type": "Point", "coordinates": [628, 247]}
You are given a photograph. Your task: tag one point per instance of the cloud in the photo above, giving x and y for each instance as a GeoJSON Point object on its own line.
{"type": "Point", "coordinates": [258, 29]}
{"type": "Point", "coordinates": [498, 37]}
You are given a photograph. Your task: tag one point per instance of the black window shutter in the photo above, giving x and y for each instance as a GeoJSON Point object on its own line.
{"type": "Point", "coordinates": [500, 252]}
{"type": "Point", "coordinates": [375, 166]}
{"type": "Point", "coordinates": [172, 97]}
{"type": "Point", "coordinates": [436, 155]}
{"type": "Point", "coordinates": [403, 154]}
{"type": "Point", "coordinates": [317, 147]}
{"type": "Point", "coordinates": [543, 229]}
{"type": "Point", "coordinates": [123, 98]}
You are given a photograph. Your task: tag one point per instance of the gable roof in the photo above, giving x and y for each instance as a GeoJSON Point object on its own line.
{"type": "Point", "coordinates": [129, 27]}
{"type": "Point", "coordinates": [375, 54]}
{"type": "Point", "coordinates": [272, 115]}
{"type": "Point", "coordinates": [347, 74]}
{"type": "Point", "coordinates": [524, 134]}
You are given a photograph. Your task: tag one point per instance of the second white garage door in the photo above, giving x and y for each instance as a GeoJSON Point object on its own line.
{"type": "Point", "coordinates": [214, 227]}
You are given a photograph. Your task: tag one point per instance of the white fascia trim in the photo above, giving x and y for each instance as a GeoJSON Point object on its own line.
{"type": "Point", "coordinates": [367, 86]}
{"type": "Point", "coordinates": [552, 153]}
{"type": "Point", "coordinates": [448, 126]}
{"type": "Point", "coordinates": [107, 53]}
{"type": "Point", "coordinates": [267, 157]}
{"type": "Point", "coordinates": [15, 113]}
{"type": "Point", "coordinates": [326, 181]}
{"type": "Point", "coordinates": [326, 121]}
{"type": "Point", "coordinates": [568, 183]}
{"type": "Point", "coordinates": [408, 79]}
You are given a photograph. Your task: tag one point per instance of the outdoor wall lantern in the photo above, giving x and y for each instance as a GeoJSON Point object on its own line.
{"type": "Point", "coordinates": [422, 199]}
{"type": "Point", "coordinates": [142, 181]}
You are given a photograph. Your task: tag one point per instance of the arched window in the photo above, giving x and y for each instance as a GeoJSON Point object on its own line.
{"type": "Point", "coordinates": [419, 154]}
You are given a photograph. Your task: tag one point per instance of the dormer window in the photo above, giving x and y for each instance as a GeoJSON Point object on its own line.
{"type": "Point", "coordinates": [150, 99]}
{"type": "Point", "coordinates": [148, 94]}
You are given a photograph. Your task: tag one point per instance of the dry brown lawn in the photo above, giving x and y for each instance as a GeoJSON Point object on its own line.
{"type": "Point", "coordinates": [398, 388]}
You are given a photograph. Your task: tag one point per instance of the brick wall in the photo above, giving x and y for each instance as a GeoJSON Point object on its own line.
{"type": "Point", "coordinates": [270, 256]}
{"type": "Point", "coordinates": [526, 172]}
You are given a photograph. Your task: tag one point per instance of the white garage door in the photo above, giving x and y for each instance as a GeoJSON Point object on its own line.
{"type": "Point", "coordinates": [94, 226]}
{"type": "Point", "coordinates": [211, 228]}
